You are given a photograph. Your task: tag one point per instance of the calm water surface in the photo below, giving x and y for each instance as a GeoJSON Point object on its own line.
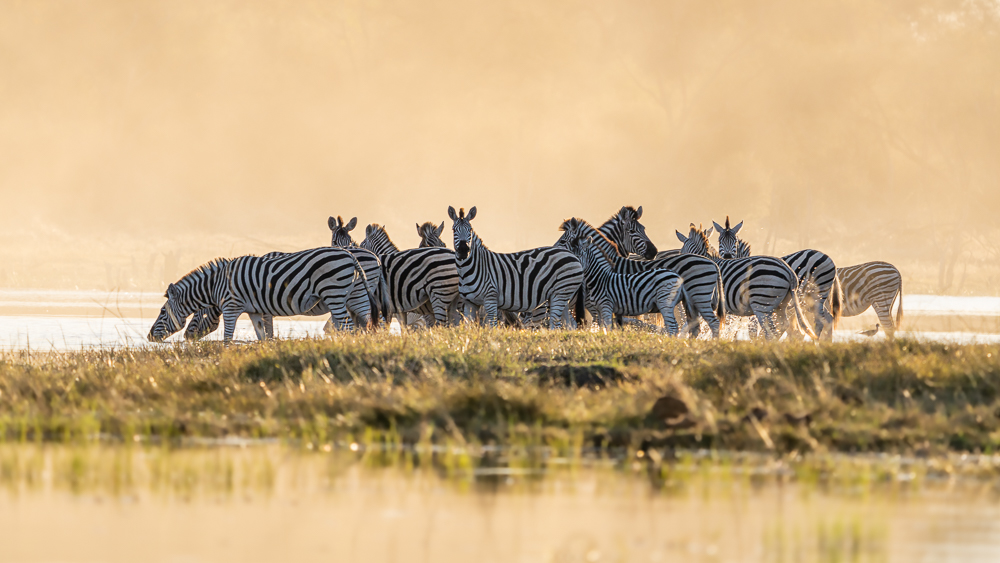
{"type": "Point", "coordinates": [272, 503]}
{"type": "Point", "coordinates": [72, 320]}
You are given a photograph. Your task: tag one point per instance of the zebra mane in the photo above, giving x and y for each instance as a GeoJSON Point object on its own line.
{"type": "Point", "coordinates": [427, 226]}
{"type": "Point", "coordinates": [698, 237]}
{"type": "Point", "coordinates": [575, 224]}
{"type": "Point", "coordinates": [621, 212]}
{"type": "Point", "coordinates": [208, 267]}
{"type": "Point", "coordinates": [742, 248]}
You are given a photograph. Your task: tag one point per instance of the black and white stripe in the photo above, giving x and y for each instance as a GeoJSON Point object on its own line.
{"type": "Point", "coordinates": [876, 285]}
{"type": "Point", "coordinates": [759, 286]}
{"type": "Point", "coordinates": [287, 285]}
{"type": "Point", "coordinates": [424, 280]}
{"type": "Point", "coordinates": [608, 293]}
{"type": "Point", "coordinates": [702, 296]}
{"type": "Point", "coordinates": [516, 282]}
{"type": "Point", "coordinates": [817, 275]}
{"type": "Point", "coordinates": [430, 235]}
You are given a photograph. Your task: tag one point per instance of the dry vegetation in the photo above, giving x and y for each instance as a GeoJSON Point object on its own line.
{"type": "Point", "coordinates": [568, 390]}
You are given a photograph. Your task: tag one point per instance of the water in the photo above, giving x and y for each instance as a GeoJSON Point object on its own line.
{"type": "Point", "coordinates": [274, 503]}
{"type": "Point", "coordinates": [72, 320]}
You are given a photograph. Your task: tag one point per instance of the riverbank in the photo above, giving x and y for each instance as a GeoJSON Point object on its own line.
{"type": "Point", "coordinates": [566, 390]}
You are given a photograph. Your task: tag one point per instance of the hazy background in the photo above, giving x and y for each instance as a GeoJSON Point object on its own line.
{"type": "Point", "coordinates": [139, 139]}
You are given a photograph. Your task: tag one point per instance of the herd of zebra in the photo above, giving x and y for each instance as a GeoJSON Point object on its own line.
{"type": "Point", "coordinates": [611, 272]}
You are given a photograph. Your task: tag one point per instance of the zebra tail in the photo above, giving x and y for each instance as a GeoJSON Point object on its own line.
{"type": "Point", "coordinates": [681, 295]}
{"type": "Point", "coordinates": [580, 311]}
{"type": "Point", "coordinates": [801, 320]}
{"type": "Point", "coordinates": [899, 311]}
{"type": "Point", "coordinates": [720, 306]}
{"type": "Point", "coordinates": [837, 301]}
{"type": "Point", "coordinates": [372, 302]}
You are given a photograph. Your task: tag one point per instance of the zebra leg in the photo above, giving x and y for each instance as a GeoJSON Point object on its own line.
{"type": "Point", "coordinates": [663, 300]}
{"type": "Point", "coordinates": [883, 308]}
{"type": "Point", "coordinates": [753, 328]}
{"type": "Point", "coordinates": [230, 312]}
{"type": "Point", "coordinates": [257, 320]}
{"type": "Point", "coordinates": [765, 321]}
{"type": "Point", "coordinates": [607, 315]}
{"type": "Point", "coordinates": [492, 306]}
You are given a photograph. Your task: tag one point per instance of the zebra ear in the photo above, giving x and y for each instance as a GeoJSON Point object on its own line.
{"type": "Point", "coordinates": [681, 237]}
{"type": "Point", "coordinates": [451, 213]}
{"type": "Point", "coordinates": [717, 226]}
{"type": "Point", "coordinates": [350, 225]}
{"type": "Point", "coordinates": [171, 288]}
{"type": "Point", "coordinates": [368, 230]}
{"type": "Point", "coordinates": [638, 213]}
{"type": "Point", "coordinates": [472, 214]}
{"type": "Point", "coordinates": [332, 223]}
{"type": "Point", "coordinates": [418, 227]}
{"type": "Point", "coordinates": [708, 233]}
{"type": "Point", "coordinates": [736, 229]}
{"type": "Point", "coordinates": [440, 229]}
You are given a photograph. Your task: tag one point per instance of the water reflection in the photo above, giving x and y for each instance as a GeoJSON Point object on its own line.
{"type": "Point", "coordinates": [280, 503]}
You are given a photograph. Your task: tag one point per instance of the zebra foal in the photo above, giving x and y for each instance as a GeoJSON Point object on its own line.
{"type": "Point", "coordinates": [608, 293]}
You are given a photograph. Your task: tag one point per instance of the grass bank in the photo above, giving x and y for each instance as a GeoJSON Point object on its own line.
{"type": "Point", "coordinates": [567, 390]}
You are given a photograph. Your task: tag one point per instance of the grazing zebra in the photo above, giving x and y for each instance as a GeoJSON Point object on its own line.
{"type": "Point", "coordinates": [756, 286]}
{"type": "Point", "coordinates": [817, 275]}
{"type": "Point", "coordinates": [873, 284]}
{"type": "Point", "coordinates": [516, 282]}
{"type": "Point", "coordinates": [341, 232]}
{"type": "Point", "coordinates": [206, 321]}
{"type": "Point", "coordinates": [609, 293]}
{"type": "Point", "coordinates": [702, 294]}
{"type": "Point", "coordinates": [286, 285]}
{"type": "Point", "coordinates": [424, 279]}
{"type": "Point", "coordinates": [430, 235]}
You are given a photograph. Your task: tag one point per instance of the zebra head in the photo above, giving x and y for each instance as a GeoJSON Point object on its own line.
{"type": "Point", "coordinates": [625, 230]}
{"type": "Point", "coordinates": [197, 290]}
{"type": "Point", "coordinates": [588, 253]}
{"type": "Point", "coordinates": [430, 235]}
{"type": "Point", "coordinates": [728, 242]}
{"type": "Point", "coordinates": [462, 226]}
{"type": "Point", "coordinates": [341, 232]}
{"type": "Point", "coordinates": [202, 323]}
{"type": "Point", "coordinates": [377, 240]}
{"type": "Point", "coordinates": [570, 233]}
{"type": "Point", "coordinates": [697, 242]}
{"type": "Point", "coordinates": [166, 323]}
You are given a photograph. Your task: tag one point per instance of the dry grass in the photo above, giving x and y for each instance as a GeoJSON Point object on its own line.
{"type": "Point", "coordinates": [566, 390]}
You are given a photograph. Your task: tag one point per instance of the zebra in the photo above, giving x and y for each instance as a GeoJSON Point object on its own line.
{"type": "Point", "coordinates": [291, 284]}
{"type": "Point", "coordinates": [515, 282]}
{"type": "Point", "coordinates": [430, 235]}
{"type": "Point", "coordinates": [424, 279]}
{"type": "Point", "coordinates": [206, 321]}
{"type": "Point", "coordinates": [876, 285]}
{"type": "Point", "coordinates": [817, 275]}
{"type": "Point", "coordinates": [341, 232]}
{"type": "Point", "coordinates": [702, 296]}
{"type": "Point", "coordinates": [756, 286]}
{"type": "Point", "coordinates": [609, 293]}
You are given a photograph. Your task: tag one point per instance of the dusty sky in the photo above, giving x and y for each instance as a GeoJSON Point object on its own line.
{"type": "Point", "coordinates": [868, 129]}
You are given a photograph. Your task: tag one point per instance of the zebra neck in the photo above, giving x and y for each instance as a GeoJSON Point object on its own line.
{"type": "Point", "coordinates": [386, 248]}
{"type": "Point", "coordinates": [597, 268]}
{"type": "Point", "coordinates": [611, 229]}
{"type": "Point", "coordinates": [604, 242]}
